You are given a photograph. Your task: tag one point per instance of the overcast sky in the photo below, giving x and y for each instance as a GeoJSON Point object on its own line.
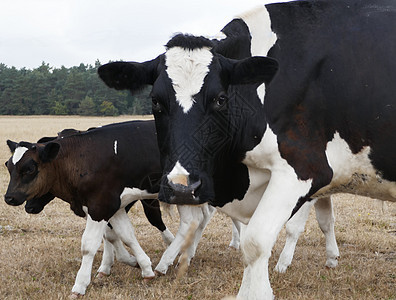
{"type": "Point", "coordinates": [70, 32]}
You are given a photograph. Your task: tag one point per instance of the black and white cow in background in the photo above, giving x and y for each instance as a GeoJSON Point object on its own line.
{"type": "Point", "coordinates": [317, 119]}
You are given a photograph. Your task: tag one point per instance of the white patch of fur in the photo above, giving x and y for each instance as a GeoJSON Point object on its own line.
{"type": "Point", "coordinates": [354, 173]}
{"type": "Point", "coordinates": [177, 170]}
{"type": "Point", "coordinates": [263, 38]}
{"type": "Point", "coordinates": [129, 195]}
{"type": "Point", "coordinates": [115, 147]}
{"type": "Point", "coordinates": [187, 70]}
{"type": "Point", "coordinates": [219, 36]}
{"type": "Point", "coordinates": [18, 154]}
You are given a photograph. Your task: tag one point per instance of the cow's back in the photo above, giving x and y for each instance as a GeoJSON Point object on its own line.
{"type": "Point", "coordinates": [337, 75]}
{"type": "Point", "coordinates": [113, 157]}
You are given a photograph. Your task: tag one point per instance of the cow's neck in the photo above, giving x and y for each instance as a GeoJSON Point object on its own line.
{"type": "Point", "coordinates": [66, 177]}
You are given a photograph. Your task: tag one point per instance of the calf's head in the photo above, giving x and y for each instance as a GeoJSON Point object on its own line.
{"type": "Point", "coordinates": [193, 111]}
{"type": "Point", "coordinates": [31, 173]}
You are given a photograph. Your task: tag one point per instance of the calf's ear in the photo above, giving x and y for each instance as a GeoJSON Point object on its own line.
{"type": "Point", "coordinates": [12, 145]}
{"type": "Point", "coordinates": [129, 75]}
{"type": "Point", "coordinates": [48, 152]}
{"type": "Point", "coordinates": [252, 70]}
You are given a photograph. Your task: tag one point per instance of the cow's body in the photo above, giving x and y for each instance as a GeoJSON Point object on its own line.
{"type": "Point", "coordinates": [99, 173]}
{"type": "Point", "coordinates": [233, 129]}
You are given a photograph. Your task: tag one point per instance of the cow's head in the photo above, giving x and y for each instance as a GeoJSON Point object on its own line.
{"type": "Point", "coordinates": [195, 108]}
{"type": "Point", "coordinates": [30, 171]}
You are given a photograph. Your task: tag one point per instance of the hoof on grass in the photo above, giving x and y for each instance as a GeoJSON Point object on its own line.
{"type": "Point", "coordinates": [75, 295]}
{"type": "Point", "coordinates": [147, 280]}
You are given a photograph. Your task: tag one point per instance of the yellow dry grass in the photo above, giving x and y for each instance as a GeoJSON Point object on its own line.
{"type": "Point", "coordinates": [40, 254]}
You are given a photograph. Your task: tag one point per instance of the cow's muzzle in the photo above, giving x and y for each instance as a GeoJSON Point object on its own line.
{"type": "Point", "coordinates": [14, 200]}
{"type": "Point", "coordinates": [184, 194]}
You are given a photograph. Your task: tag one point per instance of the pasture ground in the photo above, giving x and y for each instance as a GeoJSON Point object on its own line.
{"type": "Point", "coordinates": [40, 254]}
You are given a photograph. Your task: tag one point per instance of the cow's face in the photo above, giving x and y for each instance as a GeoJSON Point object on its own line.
{"type": "Point", "coordinates": [191, 105]}
{"type": "Point", "coordinates": [30, 171]}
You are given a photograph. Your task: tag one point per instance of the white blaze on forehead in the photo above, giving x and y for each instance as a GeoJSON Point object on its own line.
{"type": "Point", "coordinates": [18, 154]}
{"type": "Point", "coordinates": [263, 38]}
{"type": "Point", "coordinates": [187, 69]}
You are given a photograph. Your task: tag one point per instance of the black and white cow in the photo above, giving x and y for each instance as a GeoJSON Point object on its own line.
{"type": "Point", "coordinates": [99, 173]}
{"type": "Point", "coordinates": [316, 119]}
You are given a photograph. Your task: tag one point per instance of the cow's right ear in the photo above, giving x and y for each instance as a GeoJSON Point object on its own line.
{"type": "Point", "coordinates": [252, 70]}
{"type": "Point", "coordinates": [48, 152]}
{"type": "Point", "coordinates": [129, 75]}
{"type": "Point", "coordinates": [12, 145]}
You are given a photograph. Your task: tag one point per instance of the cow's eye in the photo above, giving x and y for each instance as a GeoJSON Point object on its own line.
{"type": "Point", "coordinates": [30, 170]}
{"type": "Point", "coordinates": [221, 100]}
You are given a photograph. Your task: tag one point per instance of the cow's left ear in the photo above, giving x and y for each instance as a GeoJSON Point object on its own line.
{"type": "Point", "coordinates": [129, 75]}
{"type": "Point", "coordinates": [12, 145]}
{"type": "Point", "coordinates": [48, 152]}
{"type": "Point", "coordinates": [256, 69]}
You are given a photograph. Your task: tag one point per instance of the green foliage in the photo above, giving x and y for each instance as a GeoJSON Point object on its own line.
{"type": "Point", "coordinates": [60, 91]}
{"type": "Point", "coordinates": [108, 109]}
{"type": "Point", "coordinates": [87, 107]}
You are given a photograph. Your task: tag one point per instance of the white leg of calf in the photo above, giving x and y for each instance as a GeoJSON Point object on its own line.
{"type": "Point", "coordinates": [236, 229]}
{"type": "Point", "coordinates": [124, 229]}
{"type": "Point", "coordinates": [108, 256]}
{"type": "Point", "coordinates": [188, 214]}
{"type": "Point", "coordinates": [122, 255]}
{"type": "Point", "coordinates": [90, 242]}
{"type": "Point", "coordinates": [259, 236]}
{"type": "Point", "coordinates": [207, 214]}
{"type": "Point", "coordinates": [294, 227]}
{"type": "Point", "coordinates": [167, 237]}
{"type": "Point", "coordinates": [325, 217]}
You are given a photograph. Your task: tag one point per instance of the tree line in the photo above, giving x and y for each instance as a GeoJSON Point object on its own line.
{"type": "Point", "coordinates": [65, 91]}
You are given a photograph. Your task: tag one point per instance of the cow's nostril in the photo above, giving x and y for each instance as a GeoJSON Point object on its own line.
{"type": "Point", "coordinates": [12, 200]}
{"type": "Point", "coordinates": [9, 199]}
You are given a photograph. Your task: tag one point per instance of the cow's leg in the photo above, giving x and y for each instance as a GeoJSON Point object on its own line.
{"type": "Point", "coordinates": [325, 217]}
{"type": "Point", "coordinates": [236, 231]}
{"type": "Point", "coordinates": [107, 258]}
{"type": "Point", "coordinates": [112, 243]}
{"type": "Point", "coordinates": [124, 229]}
{"type": "Point", "coordinates": [259, 236]}
{"type": "Point", "coordinates": [188, 215]}
{"type": "Point", "coordinates": [294, 227]}
{"type": "Point", "coordinates": [90, 242]}
{"type": "Point", "coordinates": [153, 214]}
{"type": "Point", "coordinates": [207, 213]}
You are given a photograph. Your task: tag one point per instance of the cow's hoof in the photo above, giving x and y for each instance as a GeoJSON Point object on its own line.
{"type": "Point", "coordinates": [102, 275]}
{"type": "Point", "coordinates": [75, 295]}
{"type": "Point", "coordinates": [234, 247]}
{"type": "Point", "coordinates": [158, 273]}
{"type": "Point", "coordinates": [147, 280]}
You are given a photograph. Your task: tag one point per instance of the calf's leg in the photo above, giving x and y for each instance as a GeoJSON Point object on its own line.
{"type": "Point", "coordinates": [124, 229]}
{"type": "Point", "coordinates": [90, 242]}
{"type": "Point", "coordinates": [112, 243]}
{"type": "Point", "coordinates": [153, 214]}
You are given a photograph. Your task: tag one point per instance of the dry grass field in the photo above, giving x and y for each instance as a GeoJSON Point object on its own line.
{"type": "Point", "coordinates": [40, 254]}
